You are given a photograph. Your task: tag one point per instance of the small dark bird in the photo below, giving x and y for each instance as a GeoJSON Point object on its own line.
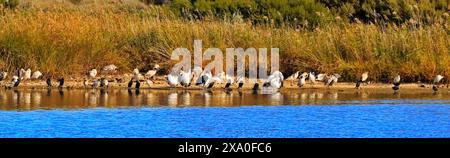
{"type": "Point", "coordinates": [130, 84]}
{"type": "Point", "coordinates": [240, 84]}
{"type": "Point", "coordinates": [61, 82]}
{"type": "Point", "coordinates": [104, 83]}
{"type": "Point", "coordinates": [49, 83]}
{"type": "Point", "coordinates": [255, 86]}
{"type": "Point", "coordinates": [16, 84]}
{"type": "Point", "coordinates": [138, 84]}
{"type": "Point", "coordinates": [435, 88]}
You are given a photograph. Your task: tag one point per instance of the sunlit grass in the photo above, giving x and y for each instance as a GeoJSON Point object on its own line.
{"type": "Point", "coordinates": [70, 40]}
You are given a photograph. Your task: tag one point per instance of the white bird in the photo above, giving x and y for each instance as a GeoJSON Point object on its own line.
{"type": "Point", "coordinates": [240, 81]}
{"type": "Point", "coordinates": [275, 83]}
{"type": "Point", "coordinates": [3, 75]}
{"type": "Point", "coordinates": [396, 83]}
{"type": "Point", "coordinates": [436, 81]}
{"type": "Point", "coordinates": [312, 77]}
{"type": "Point", "coordinates": [364, 77]}
{"type": "Point", "coordinates": [136, 74]}
{"type": "Point", "coordinates": [27, 75]}
{"type": "Point", "coordinates": [197, 72]}
{"type": "Point", "coordinates": [320, 77]}
{"type": "Point", "coordinates": [293, 77]}
{"type": "Point", "coordinates": [93, 73]}
{"type": "Point", "coordinates": [210, 81]}
{"type": "Point", "coordinates": [15, 81]}
{"type": "Point", "coordinates": [302, 80]}
{"type": "Point", "coordinates": [274, 80]}
{"type": "Point", "coordinates": [110, 68]}
{"type": "Point", "coordinates": [203, 78]}
{"type": "Point", "coordinates": [152, 73]}
{"type": "Point", "coordinates": [229, 81]}
{"type": "Point", "coordinates": [172, 79]}
{"type": "Point", "coordinates": [185, 78]}
{"type": "Point", "coordinates": [333, 79]}
{"type": "Point", "coordinates": [36, 75]}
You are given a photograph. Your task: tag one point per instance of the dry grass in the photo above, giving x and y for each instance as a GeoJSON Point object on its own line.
{"type": "Point", "coordinates": [69, 39]}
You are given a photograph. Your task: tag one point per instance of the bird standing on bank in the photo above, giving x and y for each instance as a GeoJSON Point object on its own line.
{"type": "Point", "coordinates": [312, 77]}
{"type": "Point", "coordinates": [36, 75]}
{"type": "Point", "coordinates": [396, 83]}
{"type": "Point", "coordinates": [363, 78]}
{"type": "Point", "coordinates": [293, 77]}
{"type": "Point", "coordinates": [302, 80]}
{"type": "Point", "coordinates": [185, 78]}
{"type": "Point", "coordinates": [49, 83]}
{"type": "Point", "coordinates": [3, 75]}
{"type": "Point", "coordinates": [229, 81]}
{"type": "Point", "coordinates": [93, 73]}
{"type": "Point", "coordinates": [15, 81]}
{"type": "Point", "coordinates": [436, 81]}
{"type": "Point", "coordinates": [172, 79]}
{"type": "Point", "coordinates": [151, 73]}
{"type": "Point", "coordinates": [61, 82]}
{"type": "Point", "coordinates": [104, 83]}
{"type": "Point", "coordinates": [332, 80]}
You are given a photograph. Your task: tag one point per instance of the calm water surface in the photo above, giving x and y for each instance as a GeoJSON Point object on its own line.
{"type": "Point", "coordinates": [218, 113]}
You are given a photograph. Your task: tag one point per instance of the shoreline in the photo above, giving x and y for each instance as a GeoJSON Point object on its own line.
{"type": "Point", "coordinates": [160, 84]}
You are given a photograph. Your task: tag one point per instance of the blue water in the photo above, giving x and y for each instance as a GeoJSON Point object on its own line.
{"type": "Point", "coordinates": [382, 120]}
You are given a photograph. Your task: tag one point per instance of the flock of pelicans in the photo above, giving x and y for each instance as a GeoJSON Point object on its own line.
{"type": "Point", "coordinates": [200, 78]}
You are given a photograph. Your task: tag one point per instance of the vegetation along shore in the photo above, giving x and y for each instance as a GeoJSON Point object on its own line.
{"type": "Point", "coordinates": [386, 38]}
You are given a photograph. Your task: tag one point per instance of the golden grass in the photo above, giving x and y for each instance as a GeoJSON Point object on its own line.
{"type": "Point", "coordinates": [70, 40]}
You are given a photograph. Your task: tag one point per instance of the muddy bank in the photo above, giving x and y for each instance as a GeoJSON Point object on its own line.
{"type": "Point", "coordinates": [159, 82]}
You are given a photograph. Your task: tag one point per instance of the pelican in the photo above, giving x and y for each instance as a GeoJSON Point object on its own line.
{"type": "Point", "coordinates": [276, 83]}
{"type": "Point", "coordinates": [136, 74]}
{"type": "Point", "coordinates": [229, 80]}
{"type": "Point", "coordinates": [203, 78]}
{"type": "Point", "coordinates": [110, 68]}
{"type": "Point", "coordinates": [312, 77]}
{"type": "Point", "coordinates": [49, 82]}
{"type": "Point", "coordinates": [185, 78]}
{"type": "Point", "coordinates": [216, 79]}
{"type": "Point", "coordinates": [364, 77]}
{"type": "Point", "coordinates": [27, 74]}
{"type": "Point", "coordinates": [320, 77]}
{"type": "Point", "coordinates": [396, 83]}
{"type": "Point", "coordinates": [15, 81]}
{"type": "Point", "coordinates": [293, 77]}
{"type": "Point", "coordinates": [104, 83]}
{"type": "Point", "coordinates": [302, 80]}
{"type": "Point", "coordinates": [172, 79]}
{"type": "Point", "coordinates": [3, 75]}
{"type": "Point", "coordinates": [152, 73]}
{"type": "Point", "coordinates": [197, 72]}
{"type": "Point", "coordinates": [61, 82]}
{"type": "Point", "coordinates": [240, 81]}
{"type": "Point", "coordinates": [93, 73]}
{"type": "Point", "coordinates": [436, 81]}
{"type": "Point", "coordinates": [36, 75]}
{"type": "Point", "coordinates": [333, 79]}
{"type": "Point", "coordinates": [274, 75]}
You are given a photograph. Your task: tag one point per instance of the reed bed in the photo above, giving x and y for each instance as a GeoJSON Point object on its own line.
{"type": "Point", "coordinates": [63, 40]}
